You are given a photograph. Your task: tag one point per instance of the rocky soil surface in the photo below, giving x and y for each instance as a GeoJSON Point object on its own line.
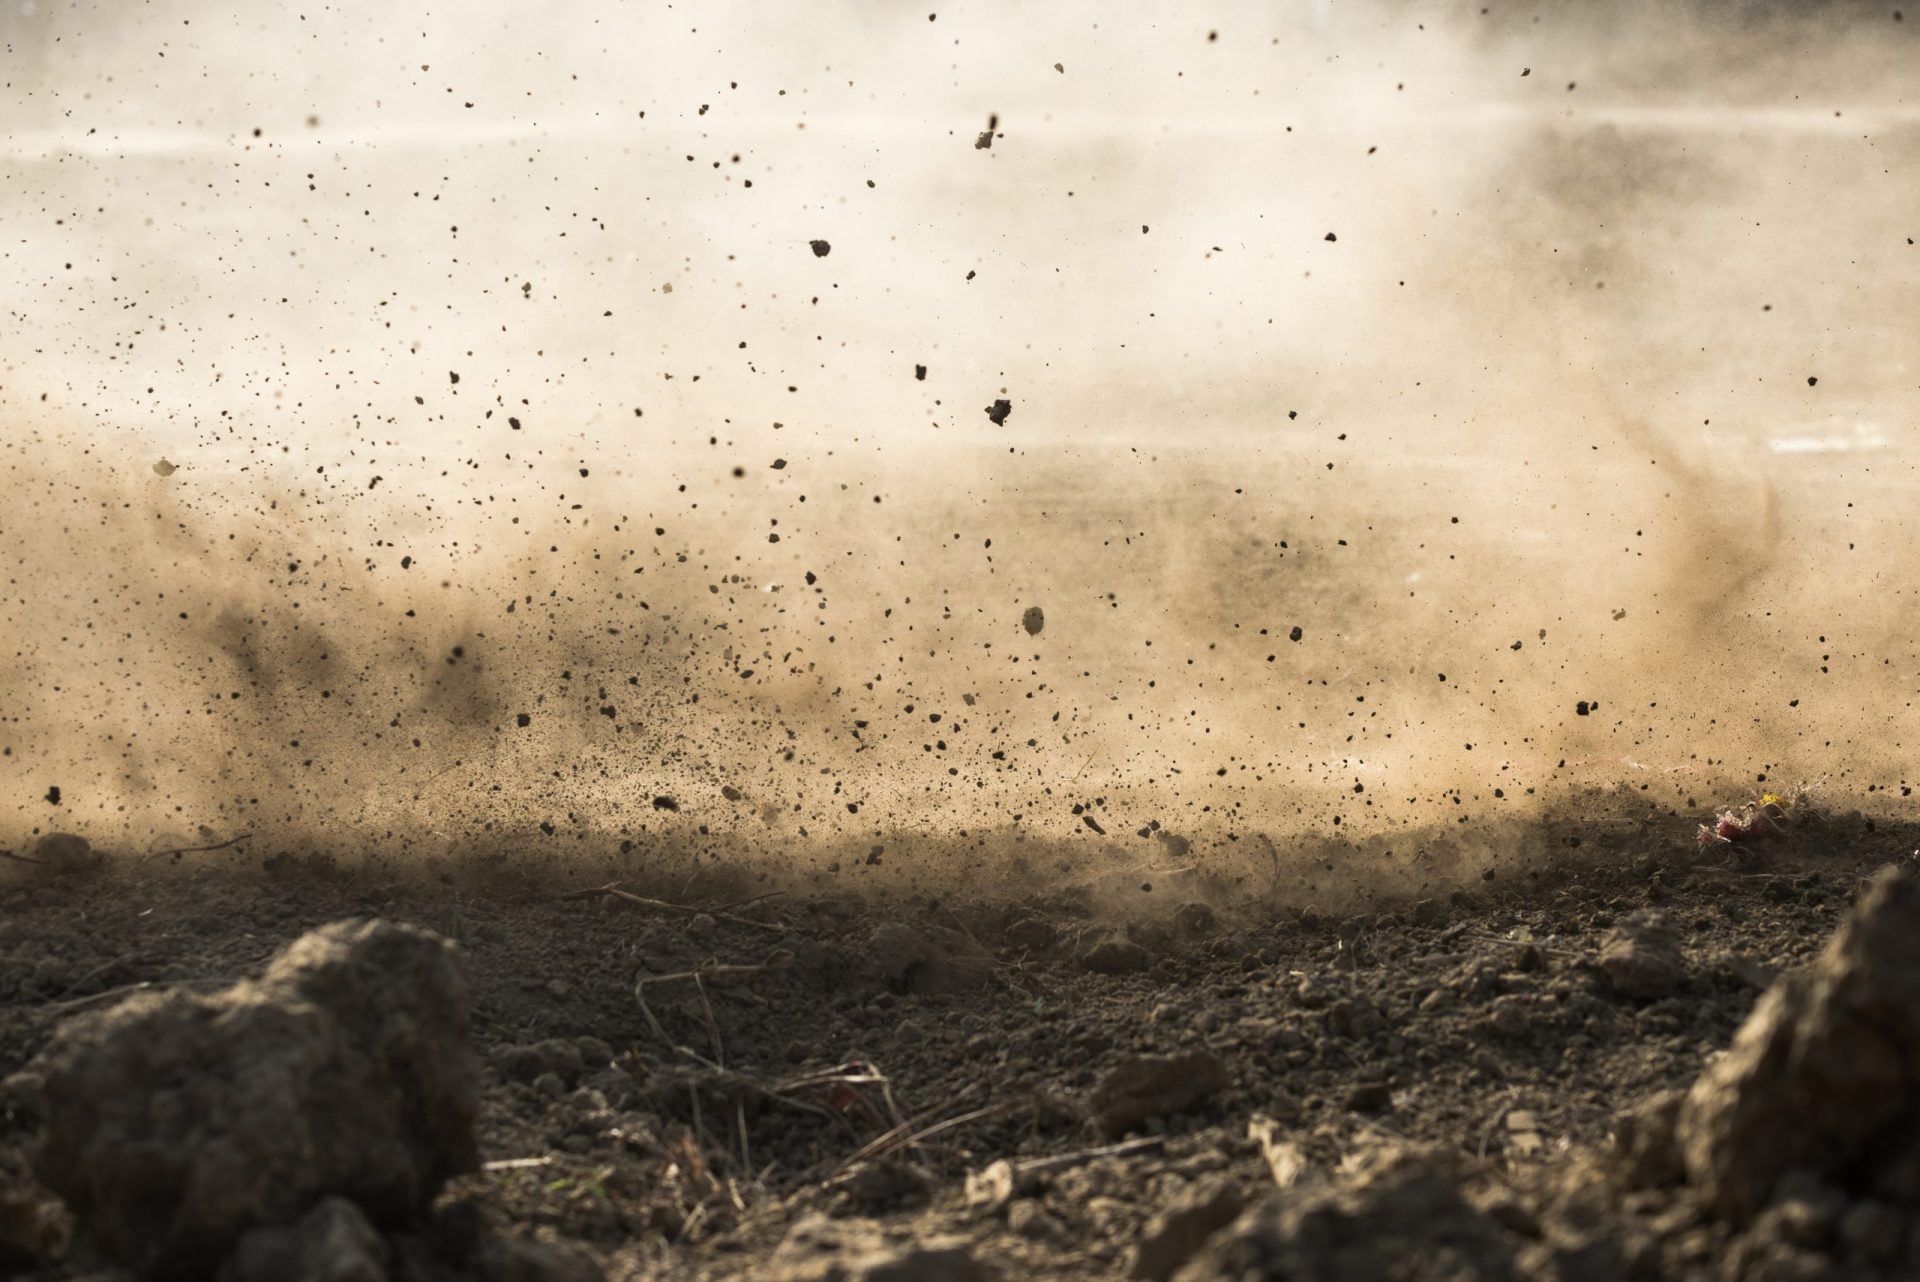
{"type": "Point", "coordinates": [1661, 1065]}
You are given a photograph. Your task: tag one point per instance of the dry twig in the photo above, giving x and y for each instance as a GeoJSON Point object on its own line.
{"type": "Point", "coordinates": [899, 1137]}
{"type": "Point", "coordinates": [517, 1164]}
{"type": "Point", "coordinates": [1000, 1182]}
{"type": "Point", "coordinates": [1552, 950]}
{"type": "Point", "coordinates": [95, 973]}
{"type": "Point", "coordinates": [775, 961]}
{"type": "Point", "coordinates": [1067, 1161]}
{"type": "Point", "coordinates": [125, 990]}
{"type": "Point", "coordinates": [613, 888]}
{"type": "Point", "coordinates": [197, 850]}
{"type": "Point", "coordinates": [742, 903]}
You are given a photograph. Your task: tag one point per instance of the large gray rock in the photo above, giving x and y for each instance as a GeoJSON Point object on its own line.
{"type": "Point", "coordinates": [1824, 1077]}
{"type": "Point", "coordinates": [173, 1123]}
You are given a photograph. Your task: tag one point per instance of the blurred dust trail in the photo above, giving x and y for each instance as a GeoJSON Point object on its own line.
{"type": "Point", "coordinates": [1389, 443]}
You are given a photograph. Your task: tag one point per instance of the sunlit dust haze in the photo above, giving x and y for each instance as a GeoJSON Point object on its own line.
{"type": "Point", "coordinates": [839, 431]}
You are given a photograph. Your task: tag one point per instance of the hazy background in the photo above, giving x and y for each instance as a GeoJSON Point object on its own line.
{"type": "Point", "coordinates": [433, 424]}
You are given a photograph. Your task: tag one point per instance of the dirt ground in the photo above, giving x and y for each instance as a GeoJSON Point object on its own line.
{"type": "Point", "coordinates": [846, 1071]}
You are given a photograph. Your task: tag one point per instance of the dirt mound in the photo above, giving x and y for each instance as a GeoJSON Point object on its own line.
{"type": "Point", "coordinates": [1823, 1081]}
{"type": "Point", "coordinates": [1403, 1221]}
{"type": "Point", "coordinates": [173, 1124]}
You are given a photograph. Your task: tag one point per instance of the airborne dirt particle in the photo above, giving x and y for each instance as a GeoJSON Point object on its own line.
{"type": "Point", "coordinates": [1420, 449]}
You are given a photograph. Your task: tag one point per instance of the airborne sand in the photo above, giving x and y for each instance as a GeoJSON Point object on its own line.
{"type": "Point", "coordinates": [1259, 529]}
{"type": "Point", "coordinates": [532, 465]}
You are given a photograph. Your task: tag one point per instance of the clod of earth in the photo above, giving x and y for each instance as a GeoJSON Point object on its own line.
{"type": "Point", "coordinates": [1031, 934]}
{"type": "Point", "coordinates": [817, 1249]}
{"type": "Point", "coordinates": [29, 1230]}
{"type": "Point", "coordinates": [947, 1259]}
{"type": "Point", "coordinates": [331, 1243]}
{"type": "Point", "coordinates": [1644, 1151]}
{"type": "Point", "coordinates": [1641, 957]}
{"type": "Point", "coordinates": [933, 961]}
{"type": "Point", "coordinates": [1154, 1086]}
{"type": "Point", "coordinates": [509, 1260]}
{"type": "Point", "coordinates": [1177, 1233]}
{"type": "Point", "coordinates": [1406, 1218]}
{"type": "Point", "coordinates": [175, 1123]}
{"type": "Point", "coordinates": [1825, 1074]}
{"type": "Point", "coordinates": [561, 1057]}
{"type": "Point", "coordinates": [63, 853]}
{"type": "Point", "coordinates": [1117, 957]}
{"type": "Point", "coordinates": [1369, 1097]}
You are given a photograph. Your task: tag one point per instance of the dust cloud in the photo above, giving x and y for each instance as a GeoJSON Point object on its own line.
{"type": "Point", "coordinates": [659, 429]}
